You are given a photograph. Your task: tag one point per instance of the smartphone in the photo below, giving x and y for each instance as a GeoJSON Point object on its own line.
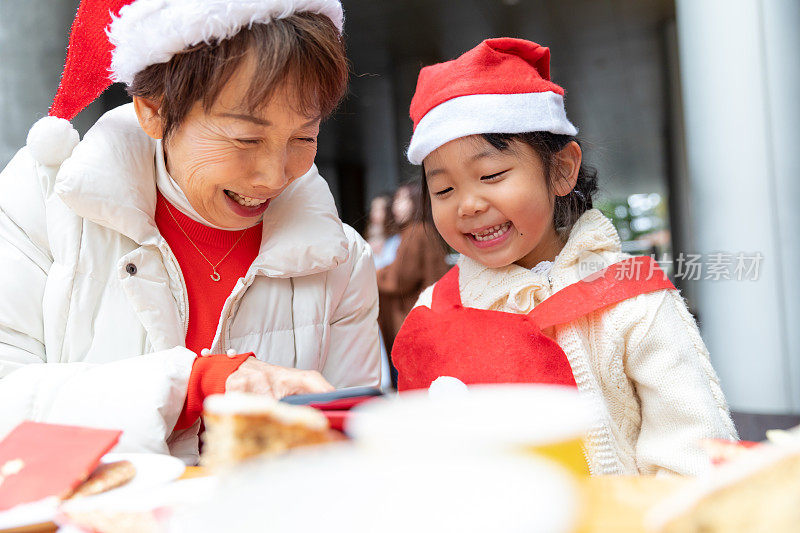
{"type": "Point", "coordinates": [341, 399]}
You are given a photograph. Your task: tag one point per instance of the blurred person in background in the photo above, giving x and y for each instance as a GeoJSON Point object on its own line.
{"type": "Point", "coordinates": [187, 245]}
{"type": "Point", "coordinates": [383, 238]}
{"type": "Point", "coordinates": [382, 233]}
{"type": "Point", "coordinates": [419, 262]}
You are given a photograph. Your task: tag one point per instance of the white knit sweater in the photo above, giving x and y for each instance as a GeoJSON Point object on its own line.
{"type": "Point", "coordinates": [641, 362]}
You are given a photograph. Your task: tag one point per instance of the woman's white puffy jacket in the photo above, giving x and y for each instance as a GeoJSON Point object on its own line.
{"type": "Point", "coordinates": [93, 306]}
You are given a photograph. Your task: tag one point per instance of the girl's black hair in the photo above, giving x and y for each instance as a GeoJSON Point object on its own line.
{"type": "Point", "coordinates": [568, 209]}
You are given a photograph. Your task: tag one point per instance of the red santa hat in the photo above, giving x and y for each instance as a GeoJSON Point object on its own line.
{"type": "Point", "coordinates": [500, 86]}
{"type": "Point", "coordinates": [113, 40]}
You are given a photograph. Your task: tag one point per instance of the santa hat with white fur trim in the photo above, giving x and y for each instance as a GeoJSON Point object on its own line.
{"type": "Point", "coordinates": [500, 86]}
{"type": "Point", "coordinates": [113, 40]}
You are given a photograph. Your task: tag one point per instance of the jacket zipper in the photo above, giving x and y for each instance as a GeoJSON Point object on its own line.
{"type": "Point", "coordinates": [223, 347]}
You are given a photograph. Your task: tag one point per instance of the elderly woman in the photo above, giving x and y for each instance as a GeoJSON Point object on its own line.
{"type": "Point", "coordinates": [191, 221]}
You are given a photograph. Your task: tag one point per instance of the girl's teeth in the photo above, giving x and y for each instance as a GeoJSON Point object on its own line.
{"type": "Point", "coordinates": [493, 232]}
{"type": "Point", "coordinates": [245, 200]}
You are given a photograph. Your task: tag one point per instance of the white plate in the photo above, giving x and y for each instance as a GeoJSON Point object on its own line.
{"type": "Point", "coordinates": [151, 470]}
{"type": "Point", "coordinates": [194, 490]}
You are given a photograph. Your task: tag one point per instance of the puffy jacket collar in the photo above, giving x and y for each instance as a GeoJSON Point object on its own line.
{"type": "Point", "coordinates": [516, 289]}
{"type": "Point", "coordinates": [110, 177]}
{"type": "Point", "coordinates": [110, 180]}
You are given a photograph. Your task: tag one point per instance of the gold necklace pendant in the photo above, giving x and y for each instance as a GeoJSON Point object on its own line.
{"type": "Point", "coordinates": [214, 275]}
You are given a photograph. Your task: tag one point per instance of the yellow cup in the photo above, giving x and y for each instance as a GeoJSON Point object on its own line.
{"type": "Point", "coordinates": [569, 454]}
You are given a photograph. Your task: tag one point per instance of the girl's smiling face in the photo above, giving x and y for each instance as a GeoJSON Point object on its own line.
{"type": "Point", "coordinates": [493, 205]}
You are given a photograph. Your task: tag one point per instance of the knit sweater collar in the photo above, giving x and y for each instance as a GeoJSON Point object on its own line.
{"type": "Point", "coordinates": [204, 237]}
{"type": "Point", "coordinates": [515, 289]}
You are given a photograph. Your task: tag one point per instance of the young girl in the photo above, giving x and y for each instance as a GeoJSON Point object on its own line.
{"type": "Point", "coordinates": [542, 292]}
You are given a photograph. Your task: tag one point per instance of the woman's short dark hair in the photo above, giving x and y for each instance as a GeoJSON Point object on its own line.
{"type": "Point", "coordinates": [304, 49]}
{"type": "Point", "coordinates": [567, 209]}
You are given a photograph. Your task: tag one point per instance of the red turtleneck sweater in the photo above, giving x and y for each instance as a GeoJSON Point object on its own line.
{"type": "Point", "coordinates": [206, 296]}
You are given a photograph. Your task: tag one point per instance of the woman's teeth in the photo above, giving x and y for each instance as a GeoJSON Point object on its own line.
{"type": "Point", "coordinates": [246, 201]}
{"type": "Point", "coordinates": [492, 233]}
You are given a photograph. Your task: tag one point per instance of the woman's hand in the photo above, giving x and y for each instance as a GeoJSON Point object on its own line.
{"type": "Point", "coordinates": [275, 381]}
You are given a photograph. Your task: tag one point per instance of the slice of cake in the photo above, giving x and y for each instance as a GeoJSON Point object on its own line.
{"type": "Point", "coordinates": [758, 491]}
{"type": "Point", "coordinates": [240, 425]}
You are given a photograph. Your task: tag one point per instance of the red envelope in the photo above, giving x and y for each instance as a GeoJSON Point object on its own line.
{"type": "Point", "coordinates": [336, 419]}
{"type": "Point", "coordinates": [40, 460]}
{"type": "Point", "coordinates": [338, 411]}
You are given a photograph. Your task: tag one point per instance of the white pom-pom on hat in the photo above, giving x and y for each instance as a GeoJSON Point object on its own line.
{"type": "Point", "coordinates": [51, 140]}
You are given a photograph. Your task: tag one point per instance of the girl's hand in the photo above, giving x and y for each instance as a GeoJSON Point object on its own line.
{"type": "Point", "coordinates": [275, 381]}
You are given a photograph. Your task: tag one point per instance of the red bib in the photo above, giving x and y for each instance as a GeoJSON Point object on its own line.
{"type": "Point", "coordinates": [479, 346]}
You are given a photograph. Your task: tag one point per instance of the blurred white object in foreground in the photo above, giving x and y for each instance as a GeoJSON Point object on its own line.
{"type": "Point", "coordinates": [344, 489]}
{"type": "Point", "coordinates": [485, 418]}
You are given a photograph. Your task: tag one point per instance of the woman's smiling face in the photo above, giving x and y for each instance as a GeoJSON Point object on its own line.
{"type": "Point", "coordinates": [230, 162]}
{"type": "Point", "coordinates": [492, 205]}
